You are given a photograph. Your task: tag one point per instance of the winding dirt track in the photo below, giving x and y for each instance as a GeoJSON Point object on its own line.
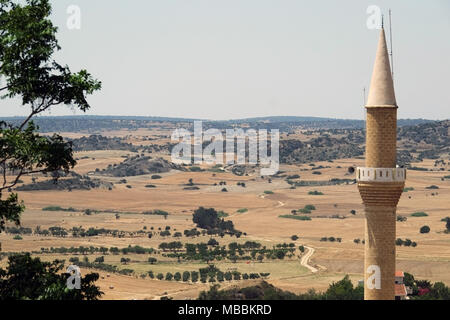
{"type": "Point", "coordinates": [305, 259]}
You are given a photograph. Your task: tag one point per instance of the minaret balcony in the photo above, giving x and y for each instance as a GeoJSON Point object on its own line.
{"type": "Point", "coordinates": [381, 174]}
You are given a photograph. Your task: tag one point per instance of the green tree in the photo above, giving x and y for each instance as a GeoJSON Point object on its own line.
{"type": "Point", "coordinates": [194, 276]}
{"type": "Point", "coordinates": [425, 229]}
{"type": "Point", "coordinates": [186, 276]}
{"type": "Point", "coordinates": [260, 258]}
{"type": "Point", "coordinates": [169, 276]}
{"type": "Point", "coordinates": [344, 290]}
{"type": "Point", "coordinates": [27, 44]}
{"type": "Point", "coordinates": [27, 278]}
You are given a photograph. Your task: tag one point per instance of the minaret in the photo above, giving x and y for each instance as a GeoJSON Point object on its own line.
{"type": "Point", "coordinates": [380, 183]}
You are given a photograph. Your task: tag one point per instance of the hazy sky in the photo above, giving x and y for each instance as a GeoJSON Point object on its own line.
{"type": "Point", "coordinates": [223, 59]}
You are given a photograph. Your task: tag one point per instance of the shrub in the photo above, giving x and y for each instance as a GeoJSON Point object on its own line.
{"type": "Point", "coordinates": [224, 190]}
{"type": "Point", "coordinates": [213, 242]}
{"type": "Point", "coordinates": [169, 276]}
{"type": "Point", "coordinates": [315, 193]}
{"type": "Point", "coordinates": [74, 260]}
{"type": "Point", "coordinates": [156, 176]}
{"type": "Point", "coordinates": [17, 237]}
{"type": "Point", "coordinates": [268, 192]}
{"type": "Point", "coordinates": [150, 186]}
{"type": "Point", "coordinates": [419, 214]}
{"type": "Point", "coordinates": [425, 229]}
{"type": "Point", "coordinates": [295, 217]}
{"type": "Point", "coordinates": [243, 210]}
{"type": "Point", "coordinates": [222, 214]}
{"type": "Point", "coordinates": [228, 276]}
{"type": "Point", "coordinates": [156, 212]}
{"type": "Point", "coordinates": [432, 187]}
{"type": "Point", "coordinates": [194, 276]}
{"type": "Point", "coordinates": [294, 237]}
{"type": "Point", "coordinates": [58, 208]}
{"type": "Point", "coordinates": [126, 271]}
{"type": "Point", "coordinates": [310, 207]}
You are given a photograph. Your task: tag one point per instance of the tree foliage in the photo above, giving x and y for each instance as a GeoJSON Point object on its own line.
{"type": "Point", "coordinates": [31, 279]}
{"type": "Point", "coordinates": [209, 219]}
{"type": "Point", "coordinates": [27, 44]}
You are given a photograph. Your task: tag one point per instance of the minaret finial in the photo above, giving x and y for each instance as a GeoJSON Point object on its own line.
{"type": "Point", "coordinates": [382, 21]}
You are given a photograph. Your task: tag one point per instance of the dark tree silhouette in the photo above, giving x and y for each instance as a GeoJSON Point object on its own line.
{"type": "Point", "coordinates": [31, 279]}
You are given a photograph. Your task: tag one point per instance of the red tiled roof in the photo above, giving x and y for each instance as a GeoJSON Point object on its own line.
{"type": "Point", "coordinates": [399, 274]}
{"type": "Point", "coordinates": [400, 290]}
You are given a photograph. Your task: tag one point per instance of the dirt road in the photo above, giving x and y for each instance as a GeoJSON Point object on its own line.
{"type": "Point", "coordinates": [305, 259]}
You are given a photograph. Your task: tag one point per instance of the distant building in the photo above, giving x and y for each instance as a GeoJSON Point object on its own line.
{"type": "Point", "coordinates": [401, 291]}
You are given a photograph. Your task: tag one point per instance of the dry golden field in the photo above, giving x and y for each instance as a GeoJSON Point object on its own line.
{"type": "Point", "coordinates": [429, 260]}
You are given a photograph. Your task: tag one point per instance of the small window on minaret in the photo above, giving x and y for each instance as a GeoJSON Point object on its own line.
{"type": "Point", "coordinates": [381, 173]}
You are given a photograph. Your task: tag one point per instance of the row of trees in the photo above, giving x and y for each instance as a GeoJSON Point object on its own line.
{"type": "Point", "coordinates": [103, 250]}
{"type": "Point", "coordinates": [208, 274]}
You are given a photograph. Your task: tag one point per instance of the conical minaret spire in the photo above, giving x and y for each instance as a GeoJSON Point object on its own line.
{"type": "Point", "coordinates": [382, 87]}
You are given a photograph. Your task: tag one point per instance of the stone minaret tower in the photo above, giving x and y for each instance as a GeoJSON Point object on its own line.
{"type": "Point", "coordinates": [380, 183]}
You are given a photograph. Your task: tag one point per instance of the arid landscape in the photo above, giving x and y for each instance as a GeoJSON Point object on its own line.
{"type": "Point", "coordinates": [126, 193]}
